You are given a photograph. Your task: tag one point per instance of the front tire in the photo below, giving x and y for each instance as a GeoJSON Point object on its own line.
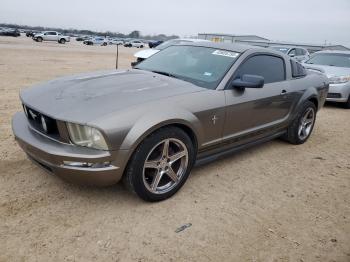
{"type": "Point", "coordinates": [160, 165]}
{"type": "Point", "coordinates": [62, 41]}
{"type": "Point", "coordinates": [39, 39]}
{"type": "Point", "coordinates": [302, 126]}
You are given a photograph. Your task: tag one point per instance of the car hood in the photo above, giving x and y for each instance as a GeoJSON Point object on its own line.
{"type": "Point", "coordinates": [146, 53]}
{"type": "Point", "coordinates": [84, 98]}
{"type": "Point", "coordinates": [329, 70]}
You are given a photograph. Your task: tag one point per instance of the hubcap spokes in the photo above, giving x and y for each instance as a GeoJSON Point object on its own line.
{"type": "Point", "coordinates": [165, 165]}
{"type": "Point", "coordinates": [306, 124]}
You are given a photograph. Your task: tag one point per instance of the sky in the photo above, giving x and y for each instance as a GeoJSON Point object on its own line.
{"type": "Point", "coordinates": [302, 21]}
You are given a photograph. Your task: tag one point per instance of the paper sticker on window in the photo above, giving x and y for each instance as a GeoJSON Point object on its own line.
{"type": "Point", "coordinates": [225, 53]}
{"type": "Point", "coordinates": [207, 74]}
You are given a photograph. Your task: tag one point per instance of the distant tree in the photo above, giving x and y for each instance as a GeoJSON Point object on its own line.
{"type": "Point", "coordinates": [135, 34]}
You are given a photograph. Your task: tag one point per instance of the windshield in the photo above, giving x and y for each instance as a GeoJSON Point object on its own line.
{"type": "Point", "coordinates": [171, 42]}
{"type": "Point", "coordinates": [201, 66]}
{"type": "Point", "coordinates": [280, 48]}
{"type": "Point", "coordinates": [329, 59]}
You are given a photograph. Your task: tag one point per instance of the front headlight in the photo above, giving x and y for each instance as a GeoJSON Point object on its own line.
{"type": "Point", "coordinates": [339, 79]}
{"type": "Point", "coordinates": [86, 136]}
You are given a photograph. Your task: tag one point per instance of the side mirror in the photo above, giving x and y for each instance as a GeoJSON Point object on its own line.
{"type": "Point", "coordinates": [248, 81]}
{"type": "Point", "coordinates": [291, 55]}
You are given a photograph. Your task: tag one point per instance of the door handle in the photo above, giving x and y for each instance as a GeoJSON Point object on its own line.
{"type": "Point", "coordinates": [284, 92]}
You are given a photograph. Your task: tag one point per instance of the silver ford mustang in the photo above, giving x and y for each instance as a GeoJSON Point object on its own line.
{"type": "Point", "coordinates": [187, 104]}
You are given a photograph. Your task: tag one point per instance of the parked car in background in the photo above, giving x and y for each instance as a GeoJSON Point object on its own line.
{"type": "Point", "coordinates": [115, 41]}
{"type": "Point", "coordinates": [9, 32]}
{"type": "Point", "coordinates": [336, 65]}
{"type": "Point", "coordinates": [82, 38]}
{"type": "Point", "coordinates": [298, 53]}
{"type": "Point", "coordinates": [31, 33]}
{"type": "Point", "coordinates": [51, 36]}
{"type": "Point", "coordinates": [187, 104]}
{"type": "Point", "coordinates": [101, 41]}
{"type": "Point", "coordinates": [153, 44]}
{"type": "Point", "coordinates": [135, 43]}
{"type": "Point", "coordinates": [144, 54]}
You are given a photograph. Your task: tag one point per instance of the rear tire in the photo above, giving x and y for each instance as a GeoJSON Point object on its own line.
{"type": "Point", "coordinates": [160, 165]}
{"type": "Point", "coordinates": [302, 126]}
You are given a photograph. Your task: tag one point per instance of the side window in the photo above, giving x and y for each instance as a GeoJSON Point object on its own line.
{"type": "Point", "coordinates": [300, 51]}
{"type": "Point", "coordinates": [292, 52]}
{"type": "Point", "coordinates": [297, 69]}
{"type": "Point", "coordinates": [270, 67]}
{"type": "Point", "coordinates": [52, 33]}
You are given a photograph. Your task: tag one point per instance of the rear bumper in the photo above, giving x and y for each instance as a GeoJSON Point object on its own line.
{"type": "Point", "coordinates": [61, 159]}
{"type": "Point", "coordinates": [338, 92]}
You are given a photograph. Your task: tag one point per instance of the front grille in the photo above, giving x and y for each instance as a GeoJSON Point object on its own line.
{"type": "Point", "coordinates": [41, 122]}
{"type": "Point", "coordinates": [334, 95]}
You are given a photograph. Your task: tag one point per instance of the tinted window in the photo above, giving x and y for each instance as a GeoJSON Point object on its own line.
{"type": "Point", "coordinates": [269, 67]}
{"type": "Point", "coordinates": [292, 52]}
{"type": "Point", "coordinates": [52, 33]}
{"type": "Point", "coordinates": [300, 51]}
{"type": "Point", "coordinates": [329, 59]}
{"type": "Point", "coordinates": [297, 69]}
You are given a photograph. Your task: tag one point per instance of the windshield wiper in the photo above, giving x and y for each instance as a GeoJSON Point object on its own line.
{"type": "Point", "coordinates": [164, 73]}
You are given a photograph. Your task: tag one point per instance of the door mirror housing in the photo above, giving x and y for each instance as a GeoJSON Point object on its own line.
{"type": "Point", "coordinates": [248, 81]}
{"type": "Point", "coordinates": [291, 55]}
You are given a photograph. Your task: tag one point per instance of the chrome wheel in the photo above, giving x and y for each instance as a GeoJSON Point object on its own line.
{"type": "Point", "coordinates": [306, 123]}
{"type": "Point", "coordinates": [165, 166]}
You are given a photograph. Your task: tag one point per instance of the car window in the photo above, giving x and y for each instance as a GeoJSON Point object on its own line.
{"type": "Point", "coordinates": [329, 59]}
{"type": "Point", "coordinates": [270, 67]}
{"type": "Point", "coordinates": [202, 66]}
{"type": "Point", "coordinates": [297, 69]}
{"type": "Point", "coordinates": [52, 33]}
{"type": "Point", "coordinates": [292, 52]}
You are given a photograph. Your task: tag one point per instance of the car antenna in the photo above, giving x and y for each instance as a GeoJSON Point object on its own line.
{"type": "Point", "coordinates": [117, 58]}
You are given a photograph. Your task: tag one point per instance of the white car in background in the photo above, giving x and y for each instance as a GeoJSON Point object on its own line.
{"type": "Point", "coordinates": [96, 41]}
{"type": "Point", "coordinates": [115, 41]}
{"type": "Point", "coordinates": [135, 43]}
{"type": "Point", "coordinates": [144, 54]}
{"type": "Point", "coordinates": [51, 36]}
{"type": "Point", "coordinates": [298, 53]}
{"type": "Point", "coordinates": [336, 65]}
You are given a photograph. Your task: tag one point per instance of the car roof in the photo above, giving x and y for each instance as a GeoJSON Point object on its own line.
{"type": "Point", "coordinates": [333, 52]}
{"type": "Point", "coordinates": [226, 46]}
{"type": "Point", "coordinates": [288, 47]}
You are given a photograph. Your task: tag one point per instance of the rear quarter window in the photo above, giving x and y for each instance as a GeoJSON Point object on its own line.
{"type": "Point", "coordinates": [297, 69]}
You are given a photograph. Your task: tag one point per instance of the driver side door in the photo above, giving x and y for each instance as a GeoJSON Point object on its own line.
{"type": "Point", "coordinates": [252, 112]}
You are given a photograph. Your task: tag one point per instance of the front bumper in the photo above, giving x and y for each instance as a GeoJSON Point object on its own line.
{"type": "Point", "coordinates": [51, 154]}
{"type": "Point", "coordinates": [339, 92]}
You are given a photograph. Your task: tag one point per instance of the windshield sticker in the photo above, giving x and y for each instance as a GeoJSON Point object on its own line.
{"type": "Point", "coordinates": [225, 53]}
{"type": "Point", "coordinates": [207, 74]}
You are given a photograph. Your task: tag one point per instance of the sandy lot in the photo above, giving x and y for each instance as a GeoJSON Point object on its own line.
{"type": "Point", "coordinates": [274, 202]}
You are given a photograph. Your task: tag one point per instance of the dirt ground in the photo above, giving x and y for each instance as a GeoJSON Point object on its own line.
{"type": "Point", "coordinates": [274, 202]}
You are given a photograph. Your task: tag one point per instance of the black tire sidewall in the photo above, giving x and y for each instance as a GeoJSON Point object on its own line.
{"type": "Point", "coordinates": [296, 123]}
{"type": "Point", "coordinates": [135, 167]}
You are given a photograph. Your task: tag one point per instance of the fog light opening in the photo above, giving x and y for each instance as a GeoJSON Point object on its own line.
{"type": "Point", "coordinates": [86, 164]}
